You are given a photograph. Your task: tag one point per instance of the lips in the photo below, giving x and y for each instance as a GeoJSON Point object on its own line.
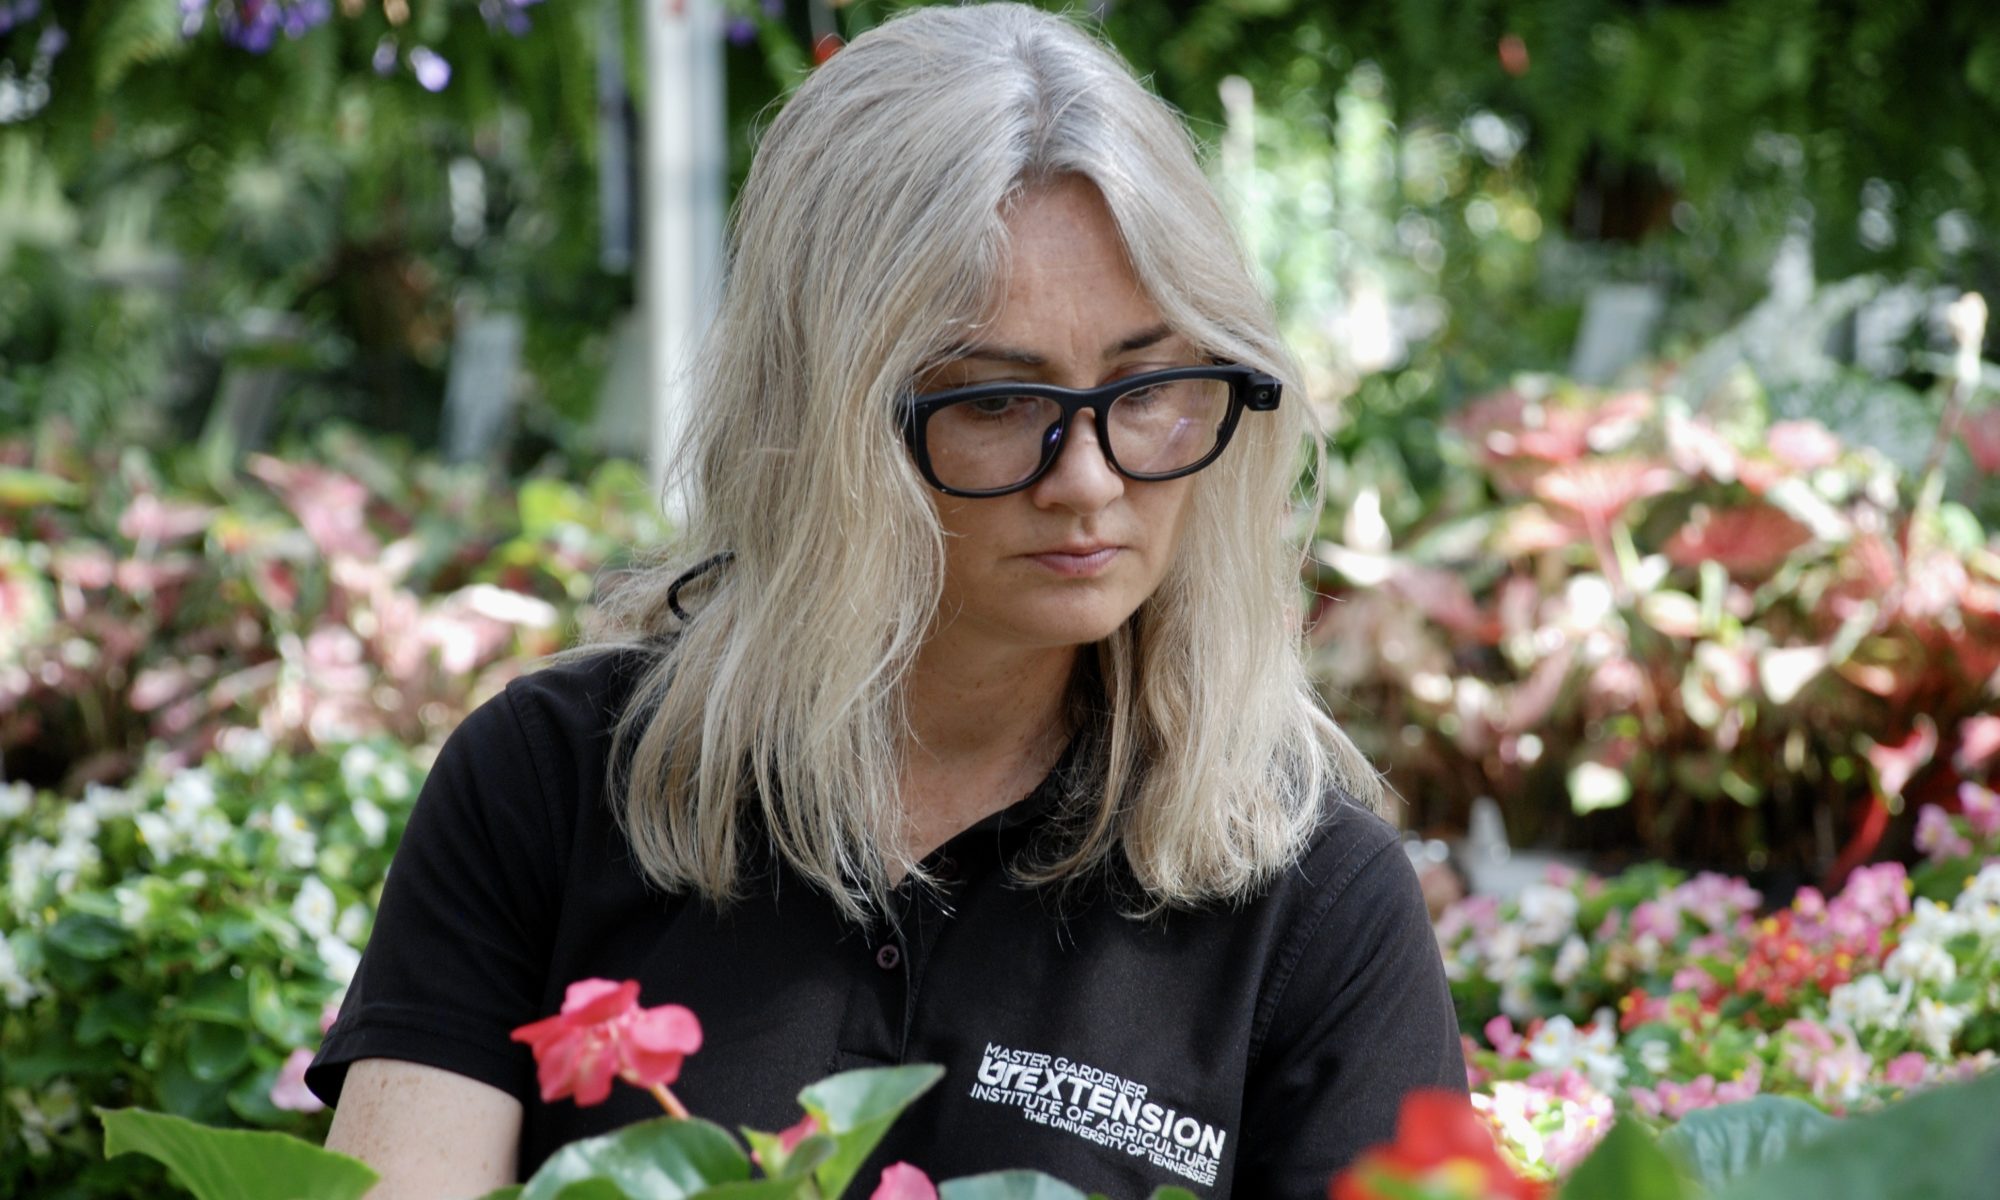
{"type": "Point", "coordinates": [1077, 561]}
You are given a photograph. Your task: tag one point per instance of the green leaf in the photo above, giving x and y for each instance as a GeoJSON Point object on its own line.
{"type": "Point", "coordinates": [182, 1095]}
{"type": "Point", "coordinates": [82, 935]}
{"type": "Point", "coordinates": [1937, 1144]}
{"type": "Point", "coordinates": [511, 1192]}
{"type": "Point", "coordinates": [1008, 1185]}
{"type": "Point", "coordinates": [1626, 1165]}
{"type": "Point", "coordinates": [123, 1015]}
{"type": "Point", "coordinates": [593, 1189]}
{"type": "Point", "coordinates": [770, 1154]}
{"type": "Point", "coordinates": [33, 1069]}
{"type": "Point", "coordinates": [235, 1164]}
{"type": "Point", "coordinates": [1722, 1143]}
{"type": "Point", "coordinates": [272, 1017]}
{"type": "Point", "coordinates": [1173, 1193]}
{"type": "Point", "coordinates": [218, 997]}
{"type": "Point", "coordinates": [217, 1052]}
{"type": "Point", "coordinates": [21, 488]}
{"type": "Point", "coordinates": [661, 1159]}
{"type": "Point", "coordinates": [858, 1107]}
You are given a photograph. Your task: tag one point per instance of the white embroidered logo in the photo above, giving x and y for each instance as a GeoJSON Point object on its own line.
{"type": "Point", "coordinates": [1099, 1107]}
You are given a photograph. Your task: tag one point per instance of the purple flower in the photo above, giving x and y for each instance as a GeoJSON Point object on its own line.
{"type": "Point", "coordinates": [432, 71]}
{"type": "Point", "coordinates": [385, 57]}
{"type": "Point", "coordinates": [741, 32]}
{"type": "Point", "coordinates": [774, 8]}
{"type": "Point", "coordinates": [26, 10]}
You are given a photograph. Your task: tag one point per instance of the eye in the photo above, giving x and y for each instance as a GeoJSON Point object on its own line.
{"type": "Point", "coordinates": [997, 408]}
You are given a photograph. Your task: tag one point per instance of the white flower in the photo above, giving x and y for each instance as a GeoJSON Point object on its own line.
{"type": "Point", "coordinates": [54, 1111]}
{"type": "Point", "coordinates": [373, 821]}
{"type": "Point", "coordinates": [15, 987]}
{"type": "Point", "coordinates": [246, 749]}
{"type": "Point", "coordinates": [15, 799]}
{"type": "Point", "coordinates": [314, 909]}
{"type": "Point", "coordinates": [353, 924]}
{"type": "Point", "coordinates": [1646, 951]}
{"type": "Point", "coordinates": [1570, 961]}
{"type": "Point", "coordinates": [1981, 890]}
{"type": "Point", "coordinates": [340, 958]}
{"type": "Point", "coordinates": [1933, 924]}
{"type": "Point", "coordinates": [110, 803]}
{"type": "Point", "coordinates": [396, 784]}
{"type": "Point", "coordinates": [1921, 962]}
{"type": "Point", "coordinates": [1517, 998]}
{"type": "Point", "coordinates": [68, 861]}
{"type": "Point", "coordinates": [357, 768]}
{"type": "Point", "coordinates": [189, 792]}
{"type": "Point", "coordinates": [210, 834]}
{"type": "Point", "coordinates": [1935, 1024]}
{"type": "Point", "coordinates": [79, 823]}
{"type": "Point", "coordinates": [27, 867]}
{"type": "Point", "coordinates": [134, 906]}
{"type": "Point", "coordinates": [161, 835]}
{"type": "Point", "coordinates": [1548, 913]}
{"type": "Point", "coordinates": [296, 845]}
{"type": "Point", "coordinates": [1867, 1003]}
{"type": "Point", "coordinates": [1654, 1056]}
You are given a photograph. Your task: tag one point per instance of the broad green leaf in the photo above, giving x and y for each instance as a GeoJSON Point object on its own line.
{"type": "Point", "coordinates": [769, 1153]}
{"type": "Point", "coordinates": [858, 1108]}
{"type": "Point", "coordinates": [661, 1159]}
{"type": "Point", "coordinates": [119, 1014]}
{"type": "Point", "coordinates": [511, 1192]}
{"type": "Point", "coordinates": [1173, 1193]}
{"type": "Point", "coordinates": [759, 1189]}
{"type": "Point", "coordinates": [83, 935]}
{"type": "Point", "coordinates": [594, 1189]}
{"type": "Point", "coordinates": [1937, 1145]}
{"type": "Point", "coordinates": [1722, 1143]}
{"type": "Point", "coordinates": [32, 1069]}
{"type": "Point", "coordinates": [182, 1095]}
{"type": "Point", "coordinates": [235, 1164]}
{"type": "Point", "coordinates": [218, 997]}
{"type": "Point", "coordinates": [21, 488]}
{"type": "Point", "coordinates": [1008, 1185]}
{"type": "Point", "coordinates": [217, 1051]}
{"type": "Point", "coordinates": [1626, 1165]}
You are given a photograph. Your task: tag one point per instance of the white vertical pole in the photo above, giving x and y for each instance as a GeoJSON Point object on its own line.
{"type": "Point", "coordinates": [684, 176]}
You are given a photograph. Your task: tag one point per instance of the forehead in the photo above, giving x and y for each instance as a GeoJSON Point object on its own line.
{"type": "Point", "coordinates": [1068, 278]}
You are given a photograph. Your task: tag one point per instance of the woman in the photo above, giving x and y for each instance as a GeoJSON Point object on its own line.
{"type": "Point", "coordinates": [978, 733]}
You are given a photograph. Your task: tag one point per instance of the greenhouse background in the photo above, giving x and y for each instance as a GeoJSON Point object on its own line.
{"type": "Point", "coordinates": [1659, 571]}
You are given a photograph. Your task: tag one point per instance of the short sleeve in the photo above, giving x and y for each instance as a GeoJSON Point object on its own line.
{"type": "Point", "coordinates": [1363, 1017]}
{"type": "Point", "coordinates": [460, 948]}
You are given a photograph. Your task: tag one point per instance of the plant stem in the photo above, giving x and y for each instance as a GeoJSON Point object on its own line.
{"type": "Point", "coordinates": [670, 1102]}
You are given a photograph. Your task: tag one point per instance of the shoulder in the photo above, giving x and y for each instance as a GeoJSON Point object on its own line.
{"type": "Point", "coordinates": [1351, 898]}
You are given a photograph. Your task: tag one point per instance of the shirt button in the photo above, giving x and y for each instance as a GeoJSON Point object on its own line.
{"type": "Point", "coordinates": [888, 956]}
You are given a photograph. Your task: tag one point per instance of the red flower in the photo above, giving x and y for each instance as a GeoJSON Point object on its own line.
{"type": "Point", "coordinates": [601, 1033]}
{"type": "Point", "coordinates": [825, 46]}
{"type": "Point", "coordinates": [901, 1181]}
{"type": "Point", "coordinates": [1441, 1143]}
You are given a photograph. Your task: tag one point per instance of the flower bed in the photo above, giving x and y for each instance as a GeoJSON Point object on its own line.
{"type": "Point", "coordinates": [175, 944]}
{"type": "Point", "coordinates": [1651, 996]}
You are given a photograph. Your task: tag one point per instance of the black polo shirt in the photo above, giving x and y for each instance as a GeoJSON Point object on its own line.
{"type": "Point", "coordinates": [1251, 1050]}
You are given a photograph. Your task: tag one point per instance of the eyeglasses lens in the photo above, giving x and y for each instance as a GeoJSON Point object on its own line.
{"type": "Point", "coordinates": [996, 442]}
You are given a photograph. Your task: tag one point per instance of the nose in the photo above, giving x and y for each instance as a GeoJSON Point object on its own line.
{"type": "Point", "coordinates": [1082, 478]}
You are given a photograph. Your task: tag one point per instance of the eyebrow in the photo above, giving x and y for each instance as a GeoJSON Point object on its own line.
{"type": "Point", "coordinates": [1028, 358]}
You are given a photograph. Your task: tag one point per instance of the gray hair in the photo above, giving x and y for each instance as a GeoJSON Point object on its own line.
{"type": "Point", "coordinates": [868, 239]}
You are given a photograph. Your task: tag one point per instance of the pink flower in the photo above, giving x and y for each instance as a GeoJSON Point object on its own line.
{"type": "Point", "coordinates": [1803, 445]}
{"type": "Point", "coordinates": [289, 1090]}
{"type": "Point", "coordinates": [1936, 836]}
{"type": "Point", "coordinates": [1506, 1043]}
{"type": "Point", "coordinates": [1905, 1070]}
{"type": "Point", "coordinates": [901, 1181]}
{"type": "Point", "coordinates": [1981, 806]}
{"type": "Point", "coordinates": [789, 1139]}
{"type": "Point", "coordinates": [328, 1015]}
{"type": "Point", "coordinates": [601, 1033]}
{"type": "Point", "coordinates": [1978, 742]}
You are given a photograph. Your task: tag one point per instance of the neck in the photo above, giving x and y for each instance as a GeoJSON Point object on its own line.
{"type": "Point", "coordinates": [986, 723]}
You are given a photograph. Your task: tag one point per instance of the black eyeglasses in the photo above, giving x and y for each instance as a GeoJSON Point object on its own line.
{"type": "Point", "coordinates": [994, 438]}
